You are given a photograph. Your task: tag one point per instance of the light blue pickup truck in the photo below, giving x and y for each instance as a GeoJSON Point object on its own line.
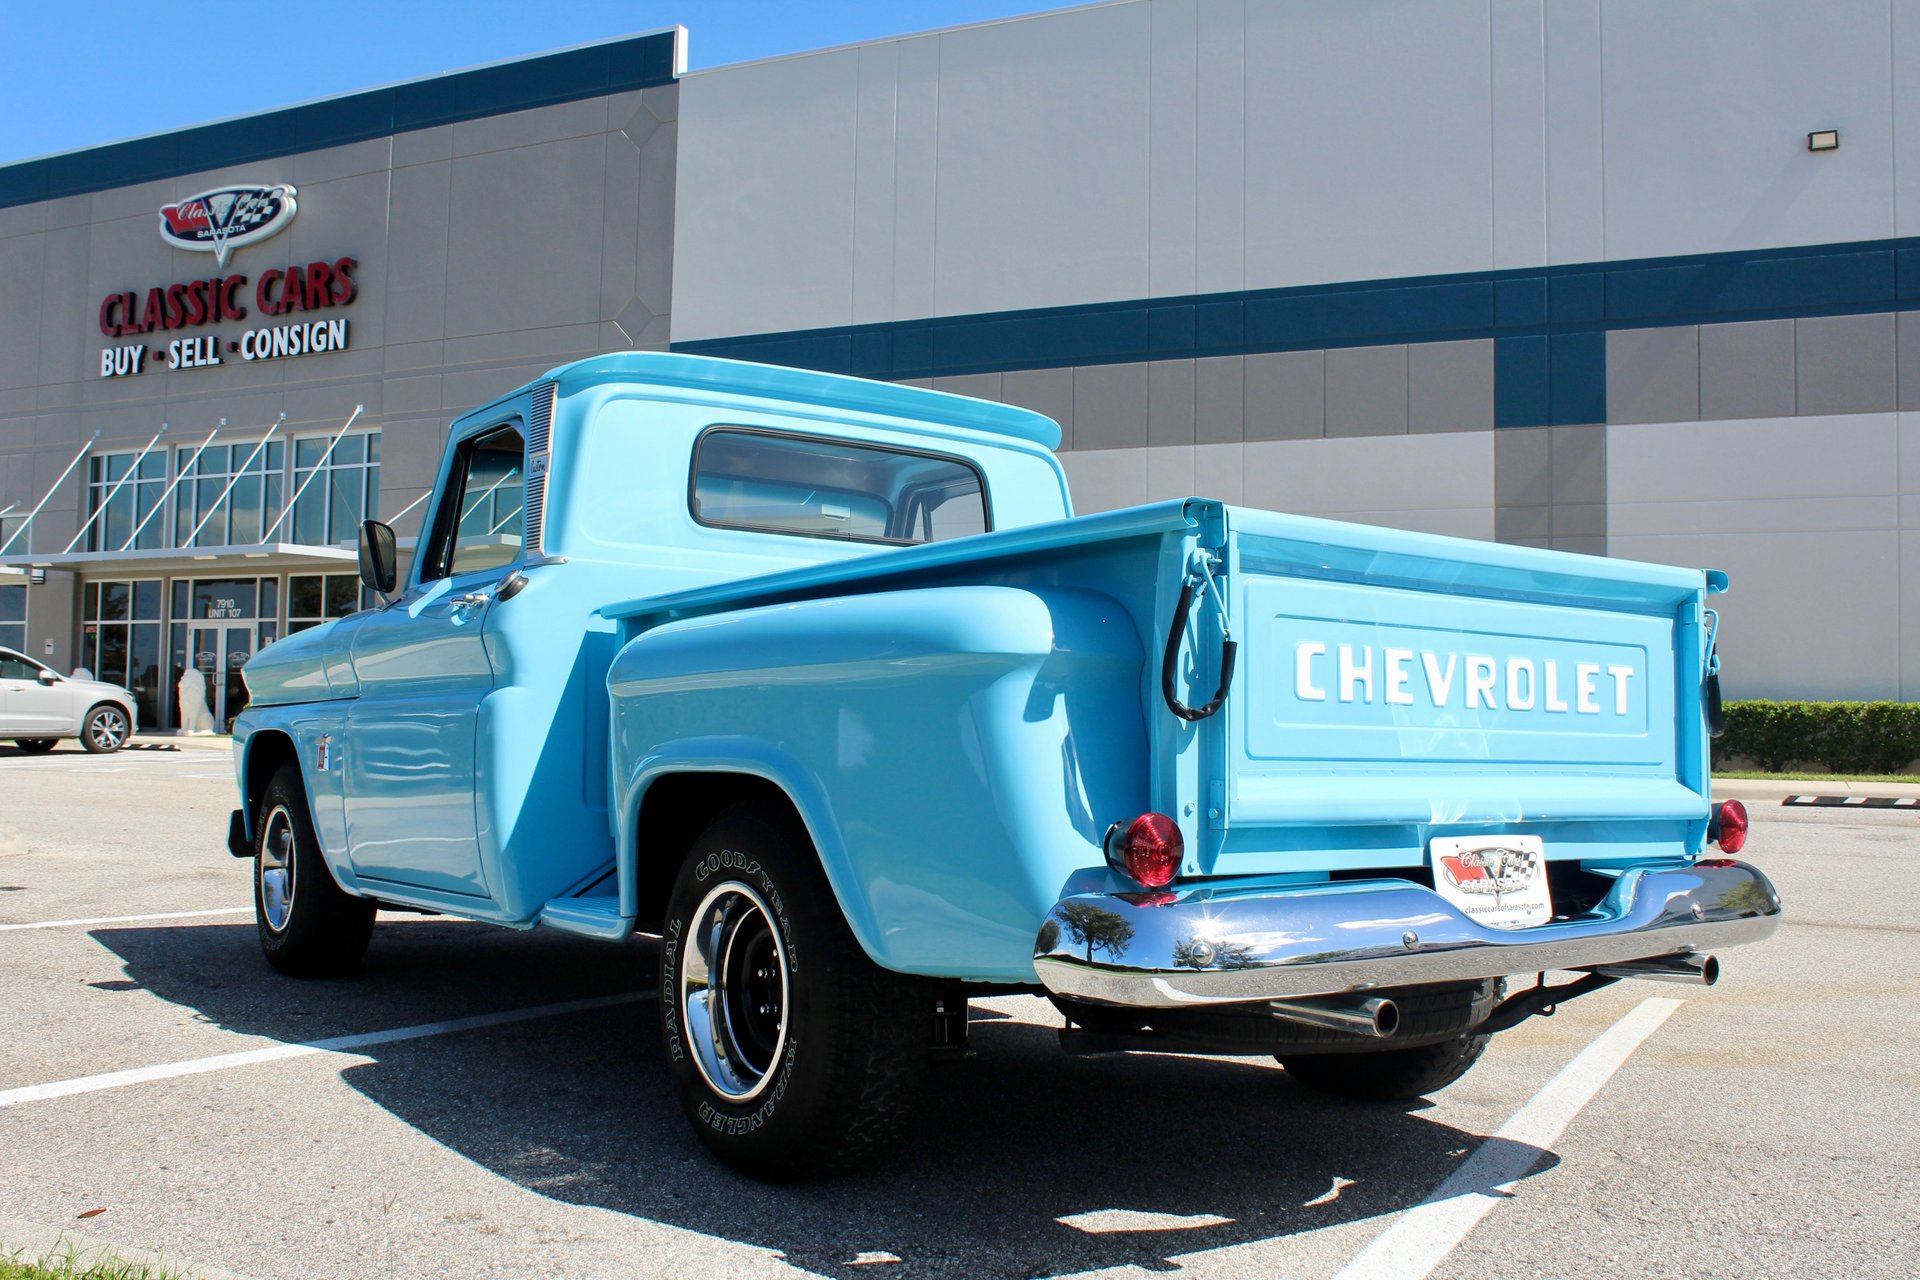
{"type": "Point", "coordinates": [819, 681]}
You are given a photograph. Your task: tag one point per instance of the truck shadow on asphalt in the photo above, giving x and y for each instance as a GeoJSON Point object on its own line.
{"type": "Point", "coordinates": [1014, 1165]}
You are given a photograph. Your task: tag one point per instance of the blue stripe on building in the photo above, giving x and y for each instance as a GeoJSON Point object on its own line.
{"type": "Point", "coordinates": [1548, 324]}
{"type": "Point", "coordinates": [617, 66]}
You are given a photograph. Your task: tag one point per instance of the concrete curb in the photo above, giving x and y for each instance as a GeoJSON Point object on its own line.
{"type": "Point", "coordinates": [33, 1241]}
{"type": "Point", "coordinates": [179, 742]}
{"type": "Point", "coordinates": [1750, 790]}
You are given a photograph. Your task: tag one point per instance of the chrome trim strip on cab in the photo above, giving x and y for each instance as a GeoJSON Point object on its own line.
{"type": "Point", "coordinates": [1224, 944]}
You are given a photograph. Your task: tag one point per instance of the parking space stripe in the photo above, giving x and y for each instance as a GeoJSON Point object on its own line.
{"type": "Point", "coordinates": [278, 1052]}
{"type": "Point", "coordinates": [158, 915]}
{"type": "Point", "coordinates": [1412, 1247]}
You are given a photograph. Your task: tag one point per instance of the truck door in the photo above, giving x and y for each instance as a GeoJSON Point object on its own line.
{"type": "Point", "coordinates": [423, 671]}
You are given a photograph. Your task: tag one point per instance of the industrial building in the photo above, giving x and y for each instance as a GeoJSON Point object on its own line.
{"type": "Point", "coordinates": [1619, 277]}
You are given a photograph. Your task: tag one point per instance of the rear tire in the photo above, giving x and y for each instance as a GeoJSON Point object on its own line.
{"type": "Point", "coordinates": [1389, 1075]}
{"type": "Point", "coordinates": [794, 1055]}
{"type": "Point", "coordinates": [36, 746]}
{"type": "Point", "coordinates": [309, 927]}
{"type": "Point", "coordinates": [105, 730]}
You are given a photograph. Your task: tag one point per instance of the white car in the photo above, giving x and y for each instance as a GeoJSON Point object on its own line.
{"type": "Point", "coordinates": [39, 706]}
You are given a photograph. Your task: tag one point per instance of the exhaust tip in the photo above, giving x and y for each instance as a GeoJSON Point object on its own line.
{"type": "Point", "coordinates": [1386, 1018]}
{"type": "Point", "coordinates": [1709, 971]}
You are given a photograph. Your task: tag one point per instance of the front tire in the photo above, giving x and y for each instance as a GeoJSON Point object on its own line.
{"type": "Point", "coordinates": [35, 746]}
{"type": "Point", "coordinates": [309, 927]}
{"type": "Point", "coordinates": [106, 729]}
{"type": "Point", "coordinates": [793, 1054]}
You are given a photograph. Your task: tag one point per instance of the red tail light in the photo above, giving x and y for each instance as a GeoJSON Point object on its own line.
{"type": "Point", "coordinates": [1729, 827]}
{"type": "Point", "coordinates": [1151, 850]}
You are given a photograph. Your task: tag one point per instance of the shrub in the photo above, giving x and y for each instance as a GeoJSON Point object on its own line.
{"type": "Point", "coordinates": [1834, 737]}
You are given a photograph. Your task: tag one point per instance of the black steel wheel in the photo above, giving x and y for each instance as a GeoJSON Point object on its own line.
{"type": "Point", "coordinates": [794, 1055]}
{"type": "Point", "coordinates": [309, 927]}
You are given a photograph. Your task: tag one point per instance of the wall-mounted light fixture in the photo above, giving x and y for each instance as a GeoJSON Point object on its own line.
{"type": "Point", "coordinates": [1824, 140]}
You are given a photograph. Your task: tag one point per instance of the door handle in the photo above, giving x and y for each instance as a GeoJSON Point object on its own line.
{"type": "Point", "coordinates": [462, 605]}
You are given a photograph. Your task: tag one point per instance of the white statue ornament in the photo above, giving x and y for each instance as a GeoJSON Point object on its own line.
{"type": "Point", "coordinates": [195, 717]}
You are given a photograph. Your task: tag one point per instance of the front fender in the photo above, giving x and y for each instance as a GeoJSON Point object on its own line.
{"type": "Point", "coordinates": [956, 753]}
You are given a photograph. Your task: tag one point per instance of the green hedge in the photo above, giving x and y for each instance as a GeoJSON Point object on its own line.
{"type": "Point", "coordinates": [1833, 737]}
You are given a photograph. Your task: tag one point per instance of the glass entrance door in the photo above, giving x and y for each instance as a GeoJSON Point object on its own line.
{"type": "Point", "coordinates": [218, 653]}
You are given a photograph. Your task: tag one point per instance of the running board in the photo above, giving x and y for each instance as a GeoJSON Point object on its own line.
{"type": "Point", "coordinates": [589, 917]}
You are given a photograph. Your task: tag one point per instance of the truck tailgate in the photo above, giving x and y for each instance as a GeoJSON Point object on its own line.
{"type": "Point", "coordinates": [1394, 678]}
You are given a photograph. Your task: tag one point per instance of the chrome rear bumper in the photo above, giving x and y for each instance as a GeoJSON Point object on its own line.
{"type": "Point", "coordinates": [1225, 944]}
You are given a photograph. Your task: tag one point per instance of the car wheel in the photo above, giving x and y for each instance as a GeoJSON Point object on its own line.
{"type": "Point", "coordinates": [794, 1055]}
{"type": "Point", "coordinates": [105, 730]}
{"type": "Point", "coordinates": [36, 746]}
{"type": "Point", "coordinates": [309, 927]}
{"type": "Point", "coordinates": [1389, 1075]}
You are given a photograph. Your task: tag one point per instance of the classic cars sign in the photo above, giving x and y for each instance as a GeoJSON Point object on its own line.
{"type": "Point", "coordinates": [220, 221]}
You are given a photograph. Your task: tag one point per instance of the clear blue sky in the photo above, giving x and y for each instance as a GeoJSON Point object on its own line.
{"type": "Point", "coordinates": [82, 72]}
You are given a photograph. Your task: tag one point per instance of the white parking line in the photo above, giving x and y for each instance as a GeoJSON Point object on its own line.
{"type": "Point", "coordinates": [275, 1053]}
{"type": "Point", "coordinates": [158, 915]}
{"type": "Point", "coordinates": [1412, 1247]}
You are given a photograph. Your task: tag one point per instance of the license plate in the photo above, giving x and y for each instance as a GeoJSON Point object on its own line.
{"type": "Point", "coordinates": [1497, 881]}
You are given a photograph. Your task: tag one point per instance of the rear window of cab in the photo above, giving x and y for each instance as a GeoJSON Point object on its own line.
{"type": "Point", "coordinates": [819, 487]}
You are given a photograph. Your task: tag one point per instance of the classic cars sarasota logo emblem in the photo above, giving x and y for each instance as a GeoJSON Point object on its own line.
{"type": "Point", "coordinates": [220, 221]}
{"type": "Point", "coordinates": [1494, 870]}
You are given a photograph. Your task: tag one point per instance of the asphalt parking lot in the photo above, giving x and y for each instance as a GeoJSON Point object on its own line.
{"type": "Point", "coordinates": [1767, 1127]}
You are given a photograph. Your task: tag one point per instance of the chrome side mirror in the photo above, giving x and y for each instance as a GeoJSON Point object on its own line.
{"type": "Point", "coordinates": [379, 560]}
{"type": "Point", "coordinates": [48, 677]}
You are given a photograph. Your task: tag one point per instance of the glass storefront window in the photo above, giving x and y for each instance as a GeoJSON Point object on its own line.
{"type": "Point", "coordinates": [13, 616]}
{"type": "Point", "coordinates": [120, 640]}
{"type": "Point", "coordinates": [134, 502]}
{"type": "Point", "coordinates": [248, 511]}
{"type": "Point", "coordinates": [343, 491]}
{"type": "Point", "coordinates": [314, 598]}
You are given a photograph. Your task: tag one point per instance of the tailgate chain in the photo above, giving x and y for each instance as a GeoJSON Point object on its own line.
{"type": "Point", "coordinates": [1229, 648]}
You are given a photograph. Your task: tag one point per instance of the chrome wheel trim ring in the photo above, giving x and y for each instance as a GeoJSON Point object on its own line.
{"type": "Point", "coordinates": [274, 869]}
{"type": "Point", "coordinates": [733, 991]}
{"type": "Point", "coordinates": [107, 727]}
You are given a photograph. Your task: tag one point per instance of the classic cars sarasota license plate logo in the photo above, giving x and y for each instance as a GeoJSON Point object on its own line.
{"type": "Point", "coordinates": [220, 221]}
{"type": "Point", "coordinates": [1499, 881]}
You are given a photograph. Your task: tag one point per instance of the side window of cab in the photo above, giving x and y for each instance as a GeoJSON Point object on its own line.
{"type": "Point", "coordinates": [480, 523]}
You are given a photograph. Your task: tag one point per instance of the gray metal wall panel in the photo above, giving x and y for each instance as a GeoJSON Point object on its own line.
{"type": "Point", "coordinates": [766, 194]}
{"type": "Point", "coordinates": [1653, 375]}
{"type": "Point", "coordinates": [1905, 59]}
{"type": "Point", "coordinates": [1844, 364]}
{"type": "Point", "coordinates": [1220, 168]}
{"type": "Point", "coordinates": [1746, 370]}
{"type": "Point", "coordinates": [1717, 71]}
{"type": "Point", "coordinates": [1030, 216]}
{"type": "Point", "coordinates": [1172, 158]}
{"type": "Point", "coordinates": [1109, 406]}
{"type": "Point", "coordinates": [1519, 126]}
{"type": "Point", "coordinates": [1219, 396]}
{"type": "Point", "coordinates": [1576, 196]}
{"type": "Point", "coordinates": [1170, 404]}
{"type": "Point", "coordinates": [1908, 359]}
{"type": "Point", "coordinates": [916, 195]}
{"type": "Point", "coordinates": [1450, 386]}
{"type": "Point", "coordinates": [1366, 148]}
{"type": "Point", "coordinates": [1286, 396]}
{"type": "Point", "coordinates": [1367, 391]}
